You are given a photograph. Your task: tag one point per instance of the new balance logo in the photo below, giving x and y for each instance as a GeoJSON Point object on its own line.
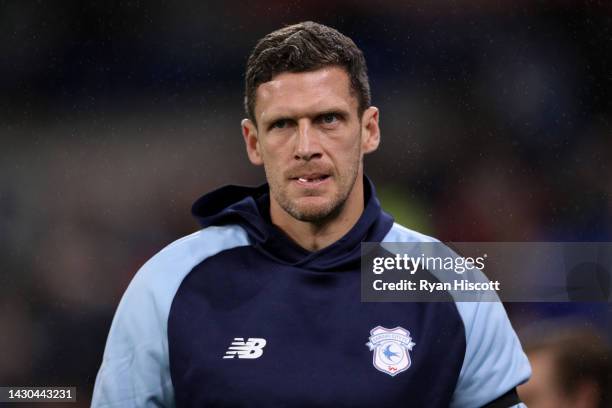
{"type": "Point", "coordinates": [252, 348]}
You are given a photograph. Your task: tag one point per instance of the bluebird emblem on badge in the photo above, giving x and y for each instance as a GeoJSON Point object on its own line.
{"type": "Point", "coordinates": [391, 347]}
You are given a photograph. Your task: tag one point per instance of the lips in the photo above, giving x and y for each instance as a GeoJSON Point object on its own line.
{"type": "Point", "coordinates": [310, 179]}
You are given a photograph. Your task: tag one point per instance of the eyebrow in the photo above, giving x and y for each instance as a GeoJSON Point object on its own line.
{"type": "Point", "coordinates": [275, 118]}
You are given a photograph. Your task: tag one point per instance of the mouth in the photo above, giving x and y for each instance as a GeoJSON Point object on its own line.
{"type": "Point", "coordinates": [311, 180]}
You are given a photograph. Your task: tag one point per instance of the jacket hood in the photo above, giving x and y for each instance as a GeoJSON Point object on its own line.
{"type": "Point", "coordinates": [249, 207]}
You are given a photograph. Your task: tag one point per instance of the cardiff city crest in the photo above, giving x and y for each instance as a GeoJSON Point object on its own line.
{"type": "Point", "coordinates": [391, 347]}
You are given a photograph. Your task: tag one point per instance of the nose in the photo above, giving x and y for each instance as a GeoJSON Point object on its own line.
{"type": "Point", "coordinates": [307, 143]}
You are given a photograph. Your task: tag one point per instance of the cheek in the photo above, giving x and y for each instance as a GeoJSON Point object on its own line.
{"type": "Point", "coordinates": [273, 166]}
{"type": "Point", "coordinates": [352, 149]}
{"type": "Point", "coordinates": [267, 157]}
{"type": "Point", "coordinates": [275, 149]}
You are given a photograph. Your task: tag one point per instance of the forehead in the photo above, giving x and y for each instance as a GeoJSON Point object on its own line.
{"type": "Point", "coordinates": [292, 94]}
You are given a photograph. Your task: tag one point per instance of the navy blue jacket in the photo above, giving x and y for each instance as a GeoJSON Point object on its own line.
{"type": "Point", "coordinates": [238, 315]}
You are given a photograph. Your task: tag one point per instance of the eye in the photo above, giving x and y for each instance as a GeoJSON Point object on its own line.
{"type": "Point", "coordinates": [329, 118]}
{"type": "Point", "coordinates": [279, 124]}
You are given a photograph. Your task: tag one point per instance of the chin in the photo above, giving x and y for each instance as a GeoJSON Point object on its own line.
{"type": "Point", "coordinates": [315, 212]}
{"type": "Point", "coordinates": [311, 216]}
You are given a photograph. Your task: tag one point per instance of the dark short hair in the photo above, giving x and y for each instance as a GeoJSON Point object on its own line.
{"type": "Point", "coordinates": [305, 47]}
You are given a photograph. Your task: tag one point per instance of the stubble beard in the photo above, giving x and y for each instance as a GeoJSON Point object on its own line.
{"type": "Point", "coordinates": [319, 214]}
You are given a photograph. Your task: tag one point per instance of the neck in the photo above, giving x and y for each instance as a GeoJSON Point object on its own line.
{"type": "Point", "coordinates": [314, 236]}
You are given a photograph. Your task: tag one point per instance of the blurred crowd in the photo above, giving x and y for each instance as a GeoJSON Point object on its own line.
{"type": "Point", "coordinates": [115, 117]}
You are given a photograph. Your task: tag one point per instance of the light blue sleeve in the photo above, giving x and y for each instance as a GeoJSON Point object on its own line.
{"type": "Point", "coordinates": [494, 361]}
{"type": "Point", "coordinates": [135, 370]}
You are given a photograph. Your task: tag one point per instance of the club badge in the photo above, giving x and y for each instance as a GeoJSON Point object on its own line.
{"type": "Point", "coordinates": [391, 347]}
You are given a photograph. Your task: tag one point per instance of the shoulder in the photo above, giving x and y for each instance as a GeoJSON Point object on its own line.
{"type": "Point", "coordinates": [399, 233]}
{"type": "Point", "coordinates": [202, 243]}
{"type": "Point", "coordinates": [494, 361]}
{"type": "Point", "coordinates": [149, 295]}
{"type": "Point", "coordinates": [135, 366]}
{"type": "Point", "coordinates": [153, 287]}
{"type": "Point", "coordinates": [177, 259]}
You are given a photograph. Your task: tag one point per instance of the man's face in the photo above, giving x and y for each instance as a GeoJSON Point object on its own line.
{"type": "Point", "coordinates": [544, 391]}
{"type": "Point", "coordinates": [310, 141]}
{"type": "Point", "coordinates": [541, 390]}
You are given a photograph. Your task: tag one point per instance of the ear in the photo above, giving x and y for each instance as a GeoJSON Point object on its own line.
{"type": "Point", "coordinates": [370, 132]}
{"type": "Point", "coordinates": [249, 132]}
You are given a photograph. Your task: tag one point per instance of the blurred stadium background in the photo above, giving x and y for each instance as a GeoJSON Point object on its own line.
{"type": "Point", "coordinates": [116, 116]}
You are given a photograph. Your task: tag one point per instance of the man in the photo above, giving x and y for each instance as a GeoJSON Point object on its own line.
{"type": "Point", "coordinates": [262, 306]}
{"type": "Point", "coordinates": [572, 367]}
